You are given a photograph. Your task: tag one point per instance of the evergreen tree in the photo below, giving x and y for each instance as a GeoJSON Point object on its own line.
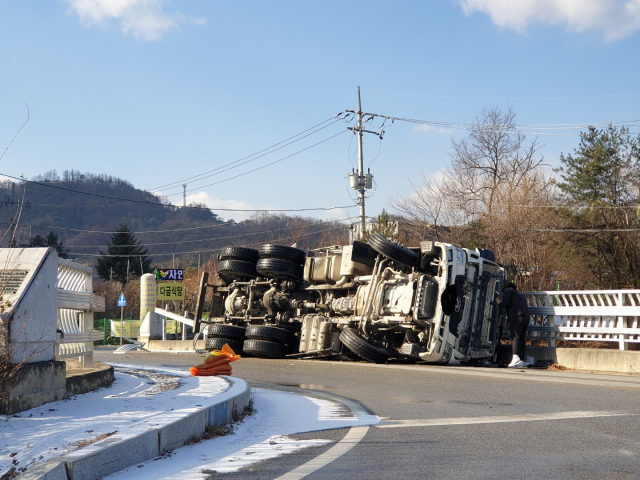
{"type": "Point", "coordinates": [50, 240]}
{"type": "Point", "coordinates": [383, 225]}
{"type": "Point", "coordinates": [601, 187]}
{"type": "Point", "coordinates": [125, 244]}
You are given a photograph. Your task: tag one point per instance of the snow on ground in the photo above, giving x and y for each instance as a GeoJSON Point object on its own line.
{"type": "Point", "coordinates": [136, 395]}
{"type": "Point", "coordinates": [139, 393]}
{"type": "Point", "coordinates": [259, 437]}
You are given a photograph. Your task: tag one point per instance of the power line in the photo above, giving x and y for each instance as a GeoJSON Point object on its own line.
{"type": "Point", "coordinates": [269, 164]}
{"type": "Point", "coordinates": [511, 98]}
{"type": "Point", "coordinates": [124, 199]}
{"type": "Point", "coordinates": [490, 128]}
{"type": "Point", "coordinates": [248, 234]}
{"type": "Point", "coordinates": [195, 251]}
{"type": "Point", "coordinates": [272, 148]}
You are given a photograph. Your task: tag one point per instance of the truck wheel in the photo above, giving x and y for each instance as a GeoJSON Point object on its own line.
{"type": "Point", "coordinates": [261, 348]}
{"type": "Point", "coordinates": [392, 250]}
{"type": "Point", "coordinates": [274, 267]}
{"type": "Point", "coordinates": [282, 252]}
{"type": "Point", "coordinates": [237, 269]}
{"type": "Point", "coordinates": [239, 253]}
{"type": "Point", "coordinates": [221, 330]}
{"type": "Point", "coordinates": [361, 347]}
{"type": "Point", "coordinates": [218, 343]}
{"type": "Point", "coordinates": [271, 334]}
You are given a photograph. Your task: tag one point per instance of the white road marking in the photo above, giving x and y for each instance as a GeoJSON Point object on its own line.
{"type": "Point", "coordinates": [350, 440]}
{"type": "Point", "coordinates": [533, 417]}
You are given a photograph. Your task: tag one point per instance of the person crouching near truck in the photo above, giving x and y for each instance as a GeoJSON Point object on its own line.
{"type": "Point", "coordinates": [515, 304]}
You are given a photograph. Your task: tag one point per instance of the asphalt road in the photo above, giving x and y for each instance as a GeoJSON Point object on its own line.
{"type": "Point", "coordinates": [451, 422]}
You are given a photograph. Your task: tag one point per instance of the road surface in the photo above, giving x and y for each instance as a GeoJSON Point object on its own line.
{"type": "Point", "coordinates": [449, 422]}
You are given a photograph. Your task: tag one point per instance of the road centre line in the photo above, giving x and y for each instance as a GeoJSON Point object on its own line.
{"type": "Point", "coordinates": [350, 440]}
{"type": "Point", "coordinates": [533, 417]}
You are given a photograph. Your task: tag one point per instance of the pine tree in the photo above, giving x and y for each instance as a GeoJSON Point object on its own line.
{"type": "Point", "coordinates": [600, 185]}
{"type": "Point", "coordinates": [50, 240]}
{"type": "Point", "coordinates": [115, 267]}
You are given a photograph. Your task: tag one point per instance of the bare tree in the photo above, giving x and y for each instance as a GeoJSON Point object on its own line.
{"type": "Point", "coordinates": [495, 193]}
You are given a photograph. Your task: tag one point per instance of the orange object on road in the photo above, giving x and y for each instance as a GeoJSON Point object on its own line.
{"type": "Point", "coordinates": [216, 363]}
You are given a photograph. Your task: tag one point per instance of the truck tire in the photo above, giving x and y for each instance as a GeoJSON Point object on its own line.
{"type": "Point", "coordinates": [282, 252]}
{"type": "Point", "coordinates": [239, 253]}
{"type": "Point", "coordinates": [261, 348]}
{"type": "Point", "coordinates": [218, 343]}
{"type": "Point", "coordinates": [271, 334]}
{"type": "Point", "coordinates": [361, 347]}
{"type": "Point", "coordinates": [237, 269]}
{"type": "Point", "coordinates": [221, 330]}
{"type": "Point", "coordinates": [274, 267]}
{"type": "Point", "coordinates": [392, 250]}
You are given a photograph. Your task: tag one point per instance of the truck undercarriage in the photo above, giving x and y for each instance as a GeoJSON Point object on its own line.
{"type": "Point", "coordinates": [376, 301]}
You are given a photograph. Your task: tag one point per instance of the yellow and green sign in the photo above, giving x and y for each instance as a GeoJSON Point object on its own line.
{"type": "Point", "coordinates": [171, 291]}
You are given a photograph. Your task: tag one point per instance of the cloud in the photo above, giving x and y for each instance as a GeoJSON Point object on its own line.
{"type": "Point", "coordinates": [432, 129]}
{"type": "Point", "coordinates": [213, 203]}
{"type": "Point", "coordinates": [144, 19]}
{"type": "Point", "coordinates": [616, 19]}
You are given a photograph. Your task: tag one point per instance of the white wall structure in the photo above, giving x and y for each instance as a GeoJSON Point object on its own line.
{"type": "Point", "coordinates": [41, 294]}
{"type": "Point", "coordinates": [76, 304]}
{"type": "Point", "coordinates": [28, 285]}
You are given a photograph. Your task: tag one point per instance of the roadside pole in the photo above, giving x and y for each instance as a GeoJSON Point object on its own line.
{"type": "Point", "coordinates": [122, 302]}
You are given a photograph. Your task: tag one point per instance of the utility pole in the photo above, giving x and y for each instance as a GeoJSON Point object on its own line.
{"type": "Point", "coordinates": [12, 242]}
{"type": "Point", "coordinates": [184, 199]}
{"type": "Point", "coordinates": [361, 167]}
{"type": "Point", "coordinates": [361, 181]}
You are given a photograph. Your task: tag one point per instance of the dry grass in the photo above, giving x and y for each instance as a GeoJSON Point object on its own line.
{"type": "Point", "coordinates": [557, 366]}
{"type": "Point", "coordinates": [84, 442]}
{"type": "Point", "coordinates": [223, 430]}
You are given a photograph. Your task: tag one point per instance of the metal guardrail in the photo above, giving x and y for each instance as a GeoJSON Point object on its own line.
{"type": "Point", "coordinates": [585, 315]}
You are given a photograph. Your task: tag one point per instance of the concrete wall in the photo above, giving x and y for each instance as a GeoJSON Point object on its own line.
{"type": "Point", "coordinates": [173, 345]}
{"type": "Point", "coordinates": [33, 385]}
{"type": "Point", "coordinates": [593, 359]}
{"type": "Point", "coordinates": [32, 313]}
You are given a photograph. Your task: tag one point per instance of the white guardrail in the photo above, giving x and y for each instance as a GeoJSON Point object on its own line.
{"type": "Point", "coordinates": [76, 304]}
{"type": "Point", "coordinates": [585, 315]}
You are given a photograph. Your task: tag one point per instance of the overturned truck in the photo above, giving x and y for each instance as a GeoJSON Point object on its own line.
{"type": "Point", "coordinates": [376, 301]}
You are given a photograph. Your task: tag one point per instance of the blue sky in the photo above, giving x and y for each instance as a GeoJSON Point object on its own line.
{"type": "Point", "coordinates": [156, 91]}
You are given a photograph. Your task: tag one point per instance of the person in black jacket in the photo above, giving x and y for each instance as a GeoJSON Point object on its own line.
{"type": "Point", "coordinates": [515, 304]}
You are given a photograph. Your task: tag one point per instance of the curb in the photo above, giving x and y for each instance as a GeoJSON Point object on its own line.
{"type": "Point", "coordinates": [145, 441]}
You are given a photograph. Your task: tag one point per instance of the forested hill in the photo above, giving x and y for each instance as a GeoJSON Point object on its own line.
{"type": "Point", "coordinates": [82, 222]}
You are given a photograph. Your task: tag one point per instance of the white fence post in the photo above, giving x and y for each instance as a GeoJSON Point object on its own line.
{"type": "Point", "coordinates": [551, 322]}
{"type": "Point", "coordinates": [621, 324]}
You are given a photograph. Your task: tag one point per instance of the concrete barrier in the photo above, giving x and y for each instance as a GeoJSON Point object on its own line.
{"type": "Point", "coordinates": [146, 440]}
{"type": "Point", "coordinates": [173, 345]}
{"type": "Point", "coordinates": [51, 470]}
{"type": "Point", "coordinates": [33, 385]}
{"type": "Point", "coordinates": [593, 359]}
